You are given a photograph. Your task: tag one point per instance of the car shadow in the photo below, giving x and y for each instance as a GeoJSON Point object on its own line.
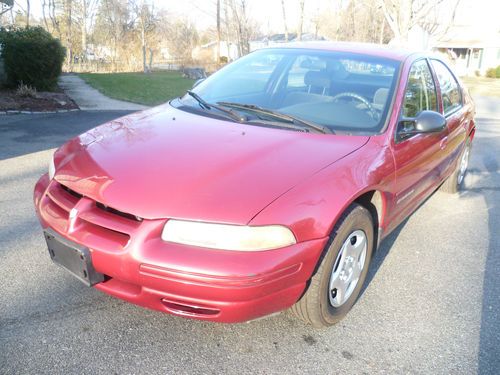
{"type": "Point", "coordinates": [487, 185]}
{"type": "Point", "coordinates": [25, 134]}
{"type": "Point", "coordinates": [381, 253]}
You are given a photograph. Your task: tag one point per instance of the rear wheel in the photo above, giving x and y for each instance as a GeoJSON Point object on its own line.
{"type": "Point", "coordinates": [455, 182]}
{"type": "Point", "coordinates": [342, 270]}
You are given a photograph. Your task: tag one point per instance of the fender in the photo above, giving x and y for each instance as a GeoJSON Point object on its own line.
{"type": "Point", "coordinates": [312, 208]}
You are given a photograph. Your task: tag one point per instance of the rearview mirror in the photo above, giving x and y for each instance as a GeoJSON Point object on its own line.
{"type": "Point", "coordinates": [425, 122]}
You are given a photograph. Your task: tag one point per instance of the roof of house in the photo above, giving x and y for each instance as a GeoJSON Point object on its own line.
{"type": "Point", "coordinates": [468, 37]}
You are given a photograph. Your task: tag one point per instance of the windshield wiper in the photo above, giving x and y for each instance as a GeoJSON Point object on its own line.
{"type": "Point", "coordinates": [206, 105]}
{"type": "Point", "coordinates": [279, 115]}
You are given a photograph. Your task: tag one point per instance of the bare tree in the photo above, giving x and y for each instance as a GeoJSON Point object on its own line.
{"type": "Point", "coordinates": [28, 11]}
{"type": "Point", "coordinates": [218, 31]}
{"type": "Point", "coordinates": [86, 10]}
{"type": "Point", "coordinates": [357, 20]}
{"type": "Point", "coordinates": [84, 26]}
{"type": "Point", "coordinates": [112, 26]}
{"type": "Point", "coordinates": [284, 19]}
{"type": "Point", "coordinates": [403, 15]}
{"type": "Point", "coordinates": [239, 30]}
{"type": "Point", "coordinates": [382, 31]}
{"type": "Point", "coordinates": [227, 22]}
{"type": "Point", "coordinates": [436, 24]}
{"type": "Point", "coordinates": [182, 37]}
{"type": "Point", "coordinates": [147, 21]}
{"type": "Point", "coordinates": [242, 24]}
{"type": "Point", "coordinates": [6, 6]}
{"type": "Point", "coordinates": [301, 21]}
{"type": "Point", "coordinates": [68, 17]}
{"type": "Point", "coordinates": [44, 17]}
{"type": "Point", "coordinates": [52, 6]}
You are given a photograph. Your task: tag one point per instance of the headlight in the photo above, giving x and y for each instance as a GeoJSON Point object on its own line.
{"type": "Point", "coordinates": [227, 237]}
{"type": "Point", "coordinates": [52, 168]}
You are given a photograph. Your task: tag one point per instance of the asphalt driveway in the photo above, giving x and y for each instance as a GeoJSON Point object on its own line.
{"type": "Point", "coordinates": [432, 305]}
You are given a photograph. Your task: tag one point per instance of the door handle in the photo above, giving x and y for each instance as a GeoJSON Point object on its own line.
{"type": "Point", "coordinates": [443, 143]}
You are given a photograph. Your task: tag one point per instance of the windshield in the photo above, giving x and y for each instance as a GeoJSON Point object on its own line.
{"type": "Point", "coordinates": [342, 91]}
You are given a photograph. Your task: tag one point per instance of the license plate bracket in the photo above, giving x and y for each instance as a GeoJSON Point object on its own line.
{"type": "Point", "coordinates": [73, 257]}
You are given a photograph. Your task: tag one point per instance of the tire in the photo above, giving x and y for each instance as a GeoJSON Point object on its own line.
{"type": "Point", "coordinates": [454, 183]}
{"type": "Point", "coordinates": [317, 306]}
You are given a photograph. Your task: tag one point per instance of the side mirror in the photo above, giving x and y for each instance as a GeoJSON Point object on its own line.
{"type": "Point", "coordinates": [197, 82]}
{"type": "Point", "coordinates": [425, 122]}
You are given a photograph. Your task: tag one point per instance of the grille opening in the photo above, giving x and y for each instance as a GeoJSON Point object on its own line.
{"type": "Point", "coordinates": [103, 206]}
{"type": "Point", "coordinates": [55, 210]}
{"type": "Point", "coordinates": [116, 212]}
{"type": "Point", "coordinates": [182, 308]}
{"type": "Point", "coordinates": [72, 192]}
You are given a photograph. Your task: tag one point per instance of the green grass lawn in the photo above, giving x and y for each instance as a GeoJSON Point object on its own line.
{"type": "Point", "coordinates": [481, 86]}
{"type": "Point", "coordinates": [149, 89]}
{"type": "Point", "coordinates": [158, 87]}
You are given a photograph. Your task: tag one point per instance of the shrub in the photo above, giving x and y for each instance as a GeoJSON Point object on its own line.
{"type": "Point", "coordinates": [491, 73]}
{"type": "Point", "coordinates": [498, 71]}
{"type": "Point", "coordinates": [25, 91]}
{"type": "Point", "coordinates": [32, 56]}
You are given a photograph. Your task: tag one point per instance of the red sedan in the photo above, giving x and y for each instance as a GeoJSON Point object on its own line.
{"type": "Point", "coordinates": [267, 186]}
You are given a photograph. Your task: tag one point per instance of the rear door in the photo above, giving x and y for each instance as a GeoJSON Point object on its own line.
{"type": "Point", "coordinates": [418, 158]}
{"type": "Point", "coordinates": [453, 110]}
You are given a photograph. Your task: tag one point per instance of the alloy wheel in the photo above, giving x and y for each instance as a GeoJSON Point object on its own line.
{"type": "Point", "coordinates": [464, 163]}
{"type": "Point", "coordinates": [348, 268]}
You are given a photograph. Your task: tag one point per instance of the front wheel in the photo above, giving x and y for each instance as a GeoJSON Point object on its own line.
{"type": "Point", "coordinates": [455, 182]}
{"type": "Point", "coordinates": [342, 270]}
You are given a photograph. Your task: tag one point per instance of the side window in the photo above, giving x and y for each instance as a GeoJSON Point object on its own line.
{"type": "Point", "coordinates": [420, 92]}
{"type": "Point", "coordinates": [450, 90]}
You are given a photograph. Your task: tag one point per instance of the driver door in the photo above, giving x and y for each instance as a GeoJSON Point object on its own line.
{"type": "Point", "coordinates": [419, 158]}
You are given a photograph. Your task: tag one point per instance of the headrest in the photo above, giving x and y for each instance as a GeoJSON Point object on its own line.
{"type": "Point", "coordinates": [380, 96]}
{"type": "Point", "coordinates": [317, 79]}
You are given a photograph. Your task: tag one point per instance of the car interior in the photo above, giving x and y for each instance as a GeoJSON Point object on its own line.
{"type": "Point", "coordinates": [351, 98]}
{"type": "Point", "coordinates": [346, 93]}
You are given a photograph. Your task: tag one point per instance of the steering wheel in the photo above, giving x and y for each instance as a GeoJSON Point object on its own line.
{"type": "Point", "coordinates": [373, 113]}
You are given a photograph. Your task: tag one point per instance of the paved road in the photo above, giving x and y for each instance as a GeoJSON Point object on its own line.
{"type": "Point", "coordinates": [432, 306]}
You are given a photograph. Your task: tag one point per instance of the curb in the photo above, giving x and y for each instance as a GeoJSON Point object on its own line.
{"type": "Point", "coordinates": [2, 113]}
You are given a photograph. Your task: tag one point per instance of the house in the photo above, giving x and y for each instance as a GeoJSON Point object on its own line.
{"type": "Point", "coordinates": [277, 39]}
{"type": "Point", "coordinates": [228, 51]}
{"type": "Point", "coordinates": [97, 52]}
{"type": "Point", "coordinates": [470, 51]}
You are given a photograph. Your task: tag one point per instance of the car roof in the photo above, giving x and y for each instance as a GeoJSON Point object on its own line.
{"type": "Point", "coordinates": [381, 50]}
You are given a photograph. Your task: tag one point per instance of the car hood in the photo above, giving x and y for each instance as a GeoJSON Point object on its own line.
{"type": "Point", "coordinates": [168, 163]}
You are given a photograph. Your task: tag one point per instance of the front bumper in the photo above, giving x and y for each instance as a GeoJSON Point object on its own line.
{"type": "Point", "coordinates": [216, 285]}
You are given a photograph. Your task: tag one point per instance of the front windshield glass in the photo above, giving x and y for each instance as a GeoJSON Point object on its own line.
{"type": "Point", "coordinates": [345, 92]}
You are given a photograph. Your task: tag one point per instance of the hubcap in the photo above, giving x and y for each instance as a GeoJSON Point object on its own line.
{"type": "Point", "coordinates": [347, 268]}
{"type": "Point", "coordinates": [464, 163]}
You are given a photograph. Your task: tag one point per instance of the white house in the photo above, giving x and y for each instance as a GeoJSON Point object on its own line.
{"type": "Point", "coordinates": [278, 39]}
{"type": "Point", "coordinates": [470, 52]}
{"type": "Point", "coordinates": [228, 50]}
{"type": "Point", "coordinates": [467, 49]}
